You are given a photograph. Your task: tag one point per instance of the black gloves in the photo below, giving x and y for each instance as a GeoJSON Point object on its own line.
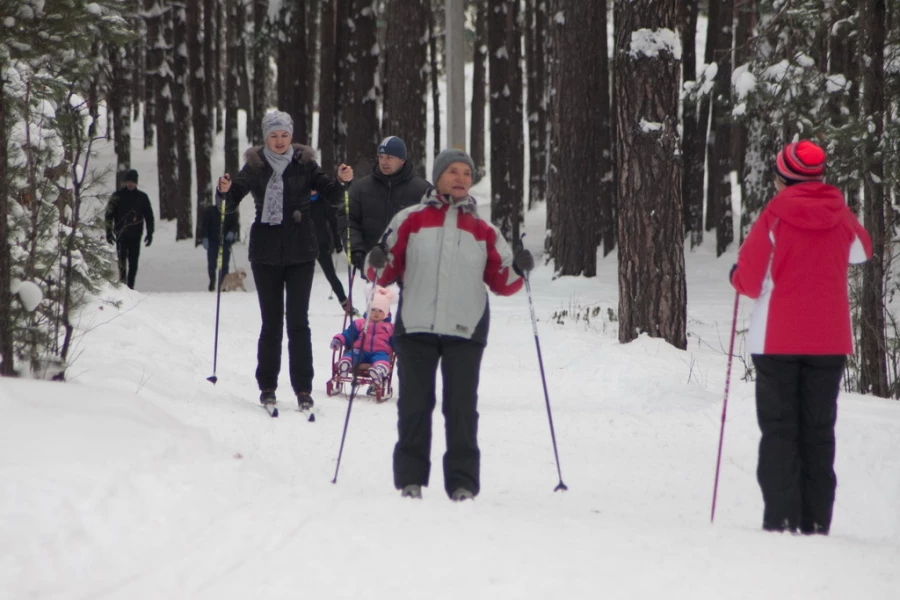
{"type": "Point", "coordinates": [377, 258]}
{"type": "Point", "coordinates": [523, 261]}
{"type": "Point", "coordinates": [109, 238]}
{"type": "Point", "coordinates": [148, 240]}
{"type": "Point", "coordinates": [358, 259]}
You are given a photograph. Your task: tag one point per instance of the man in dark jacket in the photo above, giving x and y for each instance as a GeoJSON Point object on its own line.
{"type": "Point", "coordinates": [376, 198]}
{"type": "Point", "coordinates": [210, 228]}
{"type": "Point", "coordinates": [126, 213]}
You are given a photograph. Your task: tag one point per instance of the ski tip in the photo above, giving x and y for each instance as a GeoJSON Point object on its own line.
{"type": "Point", "coordinates": [212, 379]}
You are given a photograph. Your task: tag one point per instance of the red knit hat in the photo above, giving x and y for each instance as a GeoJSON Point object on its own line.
{"type": "Point", "coordinates": [801, 161]}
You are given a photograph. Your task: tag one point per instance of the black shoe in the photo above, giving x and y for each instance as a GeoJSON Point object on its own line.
{"type": "Point", "coordinates": [304, 401]}
{"type": "Point", "coordinates": [814, 529]}
{"type": "Point", "coordinates": [780, 526]}
{"type": "Point", "coordinates": [212, 285]}
{"type": "Point", "coordinates": [372, 390]}
{"type": "Point", "coordinates": [267, 397]}
{"type": "Point", "coordinates": [460, 494]}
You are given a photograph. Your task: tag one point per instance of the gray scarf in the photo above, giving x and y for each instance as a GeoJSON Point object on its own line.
{"type": "Point", "coordinates": [273, 205]}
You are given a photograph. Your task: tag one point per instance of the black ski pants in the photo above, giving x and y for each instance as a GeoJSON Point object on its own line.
{"type": "Point", "coordinates": [327, 264]}
{"type": "Point", "coordinates": [212, 261]}
{"type": "Point", "coordinates": [460, 359]}
{"type": "Point", "coordinates": [796, 406]}
{"type": "Point", "coordinates": [273, 284]}
{"type": "Point", "coordinates": [129, 249]}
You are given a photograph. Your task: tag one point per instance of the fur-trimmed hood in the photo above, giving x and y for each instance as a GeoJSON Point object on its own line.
{"type": "Point", "coordinates": [302, 155]}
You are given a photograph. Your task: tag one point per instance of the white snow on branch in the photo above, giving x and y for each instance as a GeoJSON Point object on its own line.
{"type": "Point", "coordinates": [559, 18]}
{"type": "Point", "coordinates": [651, 42]}
{"type": "Point", "coordinates": [743, 81]}
{"type": "Point", "coordinates": [650, 126]}
{"type": "Point", "coordinates": [836, 83]}
{"type": "Point", "coordinates": [93, 8]}
{"type": "Point", "coordinates": [501, 53]}
{"type": "Point", "coordinates": [29, 293]}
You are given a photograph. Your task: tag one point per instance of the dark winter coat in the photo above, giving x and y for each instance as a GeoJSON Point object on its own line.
{"type": "Point", "coordinates": [325, 218]}
{"type": "Point", "coordinates": [794, 264]}
{"type": "Point", "coordinates": [212, 222]}
{"type": "Point", "coordinates": [126, 213]}
{"type": "Point", "coordinates": [294, 241]}
{"type": "Point", "coordinates": [376, 198]}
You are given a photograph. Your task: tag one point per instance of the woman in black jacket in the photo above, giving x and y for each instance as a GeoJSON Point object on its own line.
{"type": "Point", "coordinates": [283, 247]}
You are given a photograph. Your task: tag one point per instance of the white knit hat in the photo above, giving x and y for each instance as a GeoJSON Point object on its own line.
{"type": "Point", "coordinates": [277, 121]}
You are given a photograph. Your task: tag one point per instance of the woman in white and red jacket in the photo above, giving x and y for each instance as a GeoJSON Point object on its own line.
{"type": "Point", "coordinates": [794, 264]}
{"type": "Point", "coordinates": [442, 254]}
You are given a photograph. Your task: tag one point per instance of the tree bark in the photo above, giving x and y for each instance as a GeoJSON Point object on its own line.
{"type": "Point", "coordinates": [873, 346]}
{"type": "Point", "coordinates": [479, 84]}
{"type": "Point", "coordinates": [219, 83]}
{"type": "Point", "coordinates": [363, 131]}
{"type": "Point", "coordinates": [652, 291]}
{"type": "Point", "coordinates": [7, 366]}
{"type": "Point", "coordinates": [293, 70]}
{"type": "Point", "coordinates": [232, 158]}
{"type": "Point", "coordinates": [507, 135]}
{"type": "Point", "coordinates": [435, 91]}
{"type": "Point", "coordinates": [210, 60]}
{"type": "Point", "coordinates": [152, 27]}
{"type": "Point", "coordinates": [576, 135]}
{"type": "Point", "coordinates": [260, 71]}
{"type": "Point", "coordinates": [200, 115]}
{"type": "Point", "coordinates": [119, 100]}
{"type": "Point", "coordinates": [720, 163]}
{"type": "Point", "coordinates": [693, 143]}
{"type": "Point", "coordinates": [535, 67]}
{"type": "Point", "coordinates": [328, 88]}
{"type": "Point", "coordinates": [405, 112]}
{"type": "Point", "coordinates": [160, 65]}
{"type": "Point", "coordinates": [181, 101]}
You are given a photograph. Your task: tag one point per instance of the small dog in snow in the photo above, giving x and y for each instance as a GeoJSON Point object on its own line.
{"type": "Point", "coordinates": [233, 281]}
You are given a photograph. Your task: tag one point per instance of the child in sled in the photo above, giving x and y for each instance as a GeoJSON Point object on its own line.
{"type": "Point", "coordinates": [372, 346]}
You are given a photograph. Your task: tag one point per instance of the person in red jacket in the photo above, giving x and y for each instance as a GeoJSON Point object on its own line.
{"type": "Point", "coordinates": [794, 263]}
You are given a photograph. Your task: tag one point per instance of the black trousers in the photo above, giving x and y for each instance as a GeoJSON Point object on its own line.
{"type": "Point", "coordinates": [212, 260]}
{"type": "Point", "coordinates": [273, 284]}
{"type": "Point", "coordinates": [796, 406]}
{"type": "Point", "coordinates": [327, 264]}
{"type": "Point", "coordinates": [129, 249]}
{"type": "Point", "coordinates": [418, 356]}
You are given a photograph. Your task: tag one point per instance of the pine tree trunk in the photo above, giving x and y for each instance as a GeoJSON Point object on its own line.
{"type": "Point", "coordinates": [652, 291]}
{"type": "Point", "coordinates": [536, 67]}
{"type": "Point", "coordinates": [210, 60]}
{"type": "Point", "coordinates": [507, 135]}
{"type": "Point", "coordinates": [873, 346]}
{"type": "Point", "coordinates": [232, 160]}
{"type": "Point", "coordinates": [152, 25]}
{"type": "Point", "coordinates": [479, 85]}
{"type": "Point", "coordinates": [260, 48]}
{"type": "Point", "coordinates": [745, 22]}
{"type": "Point", "coordinates": [343, 32]}
{"type": "Point", "coordinates": [199, 116]}
{"type": "Point", "coordinates": [160, 64]}
{"type": "Point", "coordinates": [720, 164]}
{"type": "Point", "coordinates": [606, 185]}
{"type": "Point", "coordinates": [328, 78]}
{"type": "Point", "coordinates": [119, 101]}
{"type": "Point", "coordinates": [405, 112]}
{"type": "Point", "coordinates": [576, 135]}
{"type": "Point", "coordinates": [243, 73]}
{"type": "Point", "coordinates": [7, 366]}
{"type": "Point", "coordinates": [293, 69]}
{"type": "Point", "coordinates": [223, 64]}
{"type": "Point", "coordinates": [363, 131]}
{"type": "Point", "coordinates": [707, 127]}
{"type": "Point", "coordinates": [692, 146]}
{"type": "Point", "coordinates": [433, 72]}
{"type": "Point", "coordinates": [181, 102]}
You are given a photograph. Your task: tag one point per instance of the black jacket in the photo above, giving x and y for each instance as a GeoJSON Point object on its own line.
{"type": "Point", "coordinates": [325, 217]}
{"type": "Point", "coordinates": [294, 241]}
{"type": "Point", "coordinates": [212, 222]}
{"type": "Point", "coordinates": [126, 212]}
{"type": "Point", "coordinates": [376, 198]}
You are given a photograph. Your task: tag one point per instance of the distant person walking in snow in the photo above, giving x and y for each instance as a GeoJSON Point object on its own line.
{"type": "Point", "coordinates": [443, 317]}
{"type": "Point", "coordinates": [325, 218]}
{"type": "Point", "coordinates": [210, 227]}
{"type": "Point", "coordinates": [127, 211]}
{"type": "Point", "coordinates": [377, 197]}
{"type": "Point", "coordinates": [283, 247]}
{"type": "Point", "coordinates": [794, 264]}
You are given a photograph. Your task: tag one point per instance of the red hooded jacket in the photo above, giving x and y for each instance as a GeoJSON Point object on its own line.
{"type": "Point", "coordinates": [794, 263]}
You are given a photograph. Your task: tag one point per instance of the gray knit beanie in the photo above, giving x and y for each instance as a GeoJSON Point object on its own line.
{"type": "Point", "coordinates": [445, 159]}
{"type": "Point", "coordinates": [277, 121]}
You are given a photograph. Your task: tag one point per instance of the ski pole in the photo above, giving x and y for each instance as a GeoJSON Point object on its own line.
{"type": "Point", "coordinates": [212, 378]}
{"type": "Point", "coordinates": [537, 343]}
{"type": "Point", "coordinates": [353, 382]}
{"type": "Point", "coordinates": [737, 297]}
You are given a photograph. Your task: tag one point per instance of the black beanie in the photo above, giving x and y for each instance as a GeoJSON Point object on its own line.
{"type": "Point", "coordinates": [131, 175]}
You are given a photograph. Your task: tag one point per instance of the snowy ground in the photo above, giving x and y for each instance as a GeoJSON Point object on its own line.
{"type": "Point", "coordinates": [141, 480]}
